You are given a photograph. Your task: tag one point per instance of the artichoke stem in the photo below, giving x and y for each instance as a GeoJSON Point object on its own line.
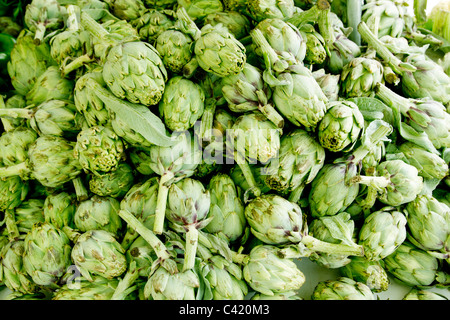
{"type": "Point", "coordinates": [377, 183]}
{"type": "Point", "coordinates": [157, 245]}
{"type": "Point", "coordinates": [271, 114]}
{"type": "Point", "coordinates": [190, 67]}
{"type": "Point", "coordinates": [395, 63]}
{"type": "Point", "coordinates": [191, 247]}
{"type": "Point", "coordinates": [95, 28]}
{"type": "Point", "coordinates": [310, 15]}
{"type": "Point", "coordinates": [354, 18]}
{"type": "Point", "coordinates": [332, 248]}
{"type": "Point", "coordinates": [39, 34]}
{"type": "Point", "coordinates": [392, 99]}
{"type": "Point", "coordinates": [11, 225]}
{"type": "Point", "coordinates": [75, 64]}
{"type": "Point", "coordinates": [128, 238]}
{"type": "Point", "coordinates": [80, 190]}
{"type": "Point", "coordinates": [296, 193]}
{"type": "Point", "coordinates": [240, 258]}
{"type": "Point", "coordinates": [125, 285]}
{"type": "Point", "coordinates": [269, 54]}
{"type": "Point", "coordinates": [207, 120]}
{"type": "Point", "coordinates": [15, 113]}
{"type": "Point", "coordinates": [161, 202]}
{"type": "Point", "coordinates": [248, 175]}
{"type": "Point", "coordinates": [22, 169]}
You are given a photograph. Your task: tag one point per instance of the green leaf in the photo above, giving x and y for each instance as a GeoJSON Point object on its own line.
{"type": "Point", "coordinates": [136, 116]}
{"type": "Point", "coordinates": [373, 109]}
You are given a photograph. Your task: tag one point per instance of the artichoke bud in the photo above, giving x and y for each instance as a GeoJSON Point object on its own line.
{"type": "Point", "coordinates": [368, 272]}
{"type": "Point", "coordinates": [382, 233]}
{"type": "Point", "coordinates": [42, 16]}
{"type": "Point", "coordinates": [97, 252]}
{"type": "Point", "coordinates": [274, 220]}
{"type": "Point", "coordinates": [219, 52]}
{"type": "Point", "coordinates": [113, 184]}
{"type": "Point", "coordinates": [182, 104]}
{"type": "Point", "coordinates": [152, 23]}
{"type": "Point", "coordinates": [341, 126]}
{"type": "Point", "coordinates": [15, 145]}
{"type": "Point", "coordinates": [98, 213]}
{"type": "Point", "coordinates": [59, 209]}
{"type": "Point", "coordinates": [175, 48]}
{"type": "Point", "coordinates": [99, 149]}
{"type": "Point", "coordinates": [46, 254]}
{"type": "Point", "coordinates": [342, 288]}
{"type": "Point", "coordinates": [260, 10]}
{"type": "Point", "coordinates": [429, 223]}
{"type": "Point", "coordinates": [269, 274]}
{"type": "Point", "coordinates": [236, 22]}
{"type": "Point", "coordinates": [227, 209]}
{"type": "Point", "coordinates": [13, 190]}
{"type": "Point", "coordinates": [134, 71]}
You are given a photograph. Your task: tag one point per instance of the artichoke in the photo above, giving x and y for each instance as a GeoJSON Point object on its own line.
{"type": "Point", "coordinates": [300, 99]}
{"type": "Point", "coordinates": [98, 213]}
{"type": "Point", "coordinates": [143, 254]}
{"type": "Point", "coordinates": [175, 48]}
{"type": "Point", "coordinates": [29, 212]}
{"type": "Point", "coordinates": [13, 190]}
{"type": "Point", "coordinates": [59, 209]}
{"type": "Point", "coordinates": [368, 272]}
{"type": "Point", "coordinates": [247, 91]}
{"type": "Point", "coordinates": [113, 184]}
{"type": "Point", "coordinates": [382, 233]}
{"type": "Point", "coordinates": [260, 10]}
{"type": "Point", "coordinates": [300, 159]}
{"type": "Point", "coordinates": [429, 224]}
{"type": "Point", "coordinates": [97, 252]}
{"type": "Point", "coordinates": [199, 9]}
{"type": "Point", "coordinates": [360, 76]}
{"type": "Point", "coordinates": [254, 138]}
{"type": "Point", "coordinates": [328, 82]}
{"type": "Point", "coordinates": [342, 289]}
{"type": "Point", "coordinates": [135, 71]}
{"type": "Point", "coordinates": [43, 16]}
{"type": "Point", "coordinates": [28, 62]}
{"type": "Point", "coordinates": [267, 273]}
{"type": "Point", "coordinates": [226, 208]}
{"type": "Point", "coordinates": [422, 294]}
{"type": "Point", "coordinates": [50, 85]}
{"type": "Point", "coordinates": [236, 22]}
{"type": "Point", "coordinates": [152, 23]}
{"type": "Point", "coordinates": [184, 285]}
{"type": "Point", "coordinates": [12, 272]}
{"type": "Point", "coordinates": [46, 254]}
{"type": "Point", "coordinates": [99, 149]}
{"type": "Point", "coordinates": [188, 204]}
{"type": "Point", "coordinates": [414, 267]}
{"type": "Point", "coordinates": [341, 126]}
{"type": "Point", "coordinates": [182, 103]}
{"type": "Point", "coordinates": [15, 145]}
{"type": "Point", "coordinates": [391, 15]}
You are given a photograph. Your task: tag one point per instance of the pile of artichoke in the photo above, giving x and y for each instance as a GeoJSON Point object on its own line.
{"type": "Point", "coordinates": [198, 149]}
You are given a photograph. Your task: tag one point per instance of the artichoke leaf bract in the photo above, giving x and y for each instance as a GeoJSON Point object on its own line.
{"type": "Point", "coordinates": [137, 116]}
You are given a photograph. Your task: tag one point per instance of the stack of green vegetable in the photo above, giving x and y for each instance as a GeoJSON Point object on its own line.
{"type": "Point", "coordinates": [195, 149]}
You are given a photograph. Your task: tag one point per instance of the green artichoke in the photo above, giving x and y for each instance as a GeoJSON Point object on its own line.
{"type": "Point", "coordinates": [360, 76]}
{"type": "Point", "coordinates": [260, 10]}
{"type": "Point", "coordinates": [175, 48]}
{"type": "Point", "coordinates": [29, 212]}
{"type": "Point", "coordinates": [299, 160]}
{"type": "Point", "coordinates": [328, 82]}
{"type": "Point", "coordinates": [99, 149]}
{"type": "Point", "coordinates": [46, 254]}
{"type": "Point", "coordinates": [28, 62]}
{"type": "Point", "coordinates": [341, 126]}
{"type": "Point", "coordinates": [98, 213]}
{"type": "Point", "coordinates": [391, 15]}
{"type": "Point", "coordinates": [87, 103]}
{"type": "Point", "coordinates": [188, 204]}
{"type": "Point", "coordinates": [50, 85]}
{"type": "Point", "coordinates": [414, 267]}
{"type": "Point", "coordinates": [382, 233]}
{"type": "Point", "coordinates": [269, 274]}
{"type": "Point", "coordinates": [226, 208]}
{"type": "Point", "coordinates": [300, 99]}
{"type": "Point", "coordinates": [184, 285]}
{"type": "Point", "coordinates": [97, 252]}
{"type": "Point", "coordinates": [182, 103]}
{"type": "Point", "coordinates": [247, 91]}
{"type": "Point", "coordinates": [429, 224]}
{"type": "Point", "coordinates": [368, 272]}
{"type": "Point", "coordinates": [342, 289]}
{"type": "Point", "coordinates": [15, 145]}
{"type": "Point", "coordinates": [127, 10]}
{"type": "Point", "coordinates": [12, 272]}
{"type": "Point", "coordinates": [422, 294]}
{"type": "Point", "coordinates": [59, 209]}
{"type": "Point", "coordinates": [13, 190]}
{"type": "Point", "coordinates": [135, 71]}
{"type": "Point", "coordinates": [199, 9]}
{"type": "Point", "coordinates": [44, 16]}
{"type": "Point", "coordinates": [152, 23]}
{"type": "Point", "coordinates": [113, 184]}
